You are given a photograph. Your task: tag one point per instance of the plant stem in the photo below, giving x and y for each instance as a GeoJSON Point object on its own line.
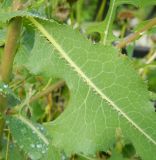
{"type": "Point", "coordinates": [151, 58]}
{"type": "Point", "coordinates": [47, 90]}
{"type": "Point", "coordinates": [123, 30]}
{"type": "Point", "coordinates": [14, 29]}
{"type": "Point", "coordinates": [79, 10]}
{"type": "Point", "coordinates": [11, 44]}
{"type": "Point", "coordinates": [137, 34]}
{"type": "Point", "coordinates": [1, 133]}
{"type": "Point", "coordinates": [7, 148]}
{"type": "Point", "coordinates": [41, 94]}
{"type": "Point", "coordinates": [101, 11]}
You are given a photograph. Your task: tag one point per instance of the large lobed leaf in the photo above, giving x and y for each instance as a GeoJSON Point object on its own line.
{"type": "Point", "coordinates": [106, 93]}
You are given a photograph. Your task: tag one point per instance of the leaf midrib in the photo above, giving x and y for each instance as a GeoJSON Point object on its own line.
{"type": "Point", "coordinates": [86, 79]}
{"type": "Point", "coordinates": [38, 133]}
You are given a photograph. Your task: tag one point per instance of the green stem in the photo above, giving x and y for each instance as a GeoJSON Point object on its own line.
{"type": "Point", "coordinates": [1, 133]}
{"type": "Point", "coordinates": [101, 10]}
{"type": "Point", "coordinates": [109, 20]}
{"type": "Point", "coordinates": [47, 90]}
{"type": "Point", "coordinates": [78, 10]}
{"type": "Point", "coordinates": [123, 30]}
{"type": "Point", "coordinates": [7, 148]}
{"type": "Point", "coordinates": [11, 44]}
{"type": "Point", "coordinates": [13, 35]}
{"type": "Point", "coordinates": [40, 94]}
{"type": "Point", "coordinates": [151, 59]}
{"type": "Point", "coordinates": [137, 34]}
{"type": "Point", "coordinates": [72, 15]}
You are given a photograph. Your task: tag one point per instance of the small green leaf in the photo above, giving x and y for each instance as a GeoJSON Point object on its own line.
{"type": "Point", "coordinates": [29, 137]}
{"type": "Point", "coordinates": [6, 91]}
{"type": "Point", "coordinates": [12, 152]}
{"type": "Point", "coordinates": [26, 44]}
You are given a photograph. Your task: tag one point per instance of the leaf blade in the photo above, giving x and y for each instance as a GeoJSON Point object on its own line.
{"type": "Point", "coordinates": [91, 142]}
{"type": "Point", "coordinates": [57, 128]}
{"type": "Point", "coordinates": [87, 79]}
{"type": "Point", "coordinates": [28, 137]}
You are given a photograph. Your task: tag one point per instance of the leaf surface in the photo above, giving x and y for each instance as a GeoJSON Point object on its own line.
{"type": "Point", "coordinates": [106, 93]}
{"type": "Point", "coordinates": [29, 137]}
{"type": "Point", "coordinates": [6, 16]}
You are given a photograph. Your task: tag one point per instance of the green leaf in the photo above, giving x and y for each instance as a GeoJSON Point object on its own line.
{"type": "Point", "coordinates": [26, 44]}
{"type": "Point", "coordinates": [12, 152]}
{"type": "Point", "coordinates": [150, 31]}
{"type": "Point", "coordinates": [152, 96]}
{"type": "Point", "coordinates": [117, 156]}
{"type": "Point", "coordinates": [29, 137]}
{"type": "Point", "coordinates": [53, 154]}
{"type": "Point", "coordinates": [6, 3]}
{"type": "Point", "coordinates": [106, 93]}
{"type": "Point", "coordinates": [6, 91]}
{"type": "Point", "coordinates": [6, 16]}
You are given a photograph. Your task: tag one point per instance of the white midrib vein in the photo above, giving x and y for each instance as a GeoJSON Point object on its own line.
{"type": "Point", "coordinates": [34, 129]}
{"type": "Point", "coordinates": [86, 79]}
{"type": "Point", "coordinates": [109, 22]}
